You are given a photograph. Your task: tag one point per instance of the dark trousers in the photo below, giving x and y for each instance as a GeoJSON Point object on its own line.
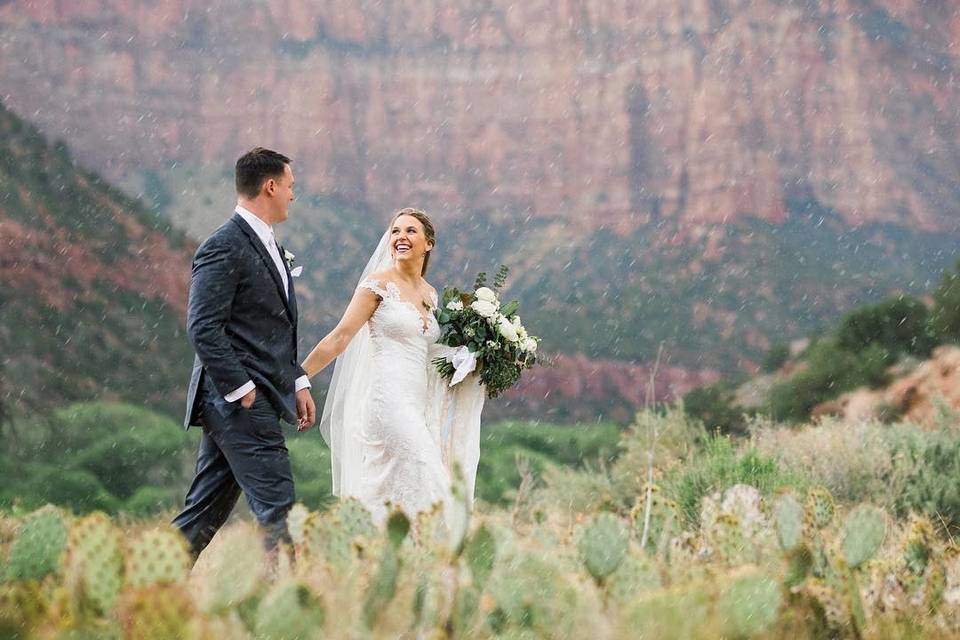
{"type": "Point", "coordinates": [246, 452]}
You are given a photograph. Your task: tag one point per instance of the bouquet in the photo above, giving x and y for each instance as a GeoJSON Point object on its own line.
{"type": "Point", "coordinates": [488, 337]}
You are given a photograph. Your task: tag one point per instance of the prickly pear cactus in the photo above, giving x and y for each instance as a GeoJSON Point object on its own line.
{"type": "Point", "coordinates": [820, 508]}
{"type": "Point", "coordinates": [333, 537]}
{"type": "Point", "coordinates": [296, 518]}
{"type": "Point", "coordinates": [384, 586]}
{"type": "Point", "coordinates": [354, 518]}
{"type": "Point", "coordinates": [918, 544]}
{"type": "Point", "coordinates": [602, 545]}
{"type": "Point", "coordinates": [481, 554]}
{"type": "Point", "coordinates": [160, 611]}
{"type": "Point", "coordinates": [290, 611]}
{"type": "Point", "coordinates": [458, 515]}
{"type": "Point", "coordinates": [234, 568]}
{"type": "Point", "coordinates": [465, 611]}
{"type": "Point", "coordinates": [95, 560]}
{"type": "Point", "coordinates": [726, 537]}
{"type": "Point", "coordinates": [430, 528]}
{"type": "Point", "coordinates": [679, 612]}
{"type": "Point", "coordinates": [398, 526]}
{"type": "Point", "coordinates": [157, 556]}
{"type": "Point", "coordinates": [529, 591]}
{"type": "Point", "coordinates": [38, 548]}
{"type": "Point", "coordinates": [664, 520]}
{"type": "Point", "coordinates": [863, 533]}
{"type": "Point", "coordinates": [636, 574]}
{"type": "Point", "coordinates": [788, 518]}
{"type": "Point", "coordinates": [22, 605]}
{"type": "Point", "coordinates": [749, 605]}
{"type": "Point", "coordinates": [829, 606]}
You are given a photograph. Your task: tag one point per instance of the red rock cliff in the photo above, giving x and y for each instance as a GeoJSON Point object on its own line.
{"type": "Point", "coordinates": [600, 111]}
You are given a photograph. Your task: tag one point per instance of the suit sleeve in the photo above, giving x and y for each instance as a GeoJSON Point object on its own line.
{"type": "Point", "coordinates": [213, 285]}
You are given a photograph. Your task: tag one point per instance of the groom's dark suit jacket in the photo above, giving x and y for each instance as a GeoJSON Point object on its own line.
{"type": "Point", "coordinates": [240, 323]}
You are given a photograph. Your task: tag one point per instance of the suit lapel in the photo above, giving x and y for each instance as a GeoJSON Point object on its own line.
{"type": "Point", "coordinates": [268, 262]}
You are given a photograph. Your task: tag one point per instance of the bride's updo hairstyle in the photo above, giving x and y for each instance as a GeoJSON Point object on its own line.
{"type": "Point", "coordinates": [428, 231]}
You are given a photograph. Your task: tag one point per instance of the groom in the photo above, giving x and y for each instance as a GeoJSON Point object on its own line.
{"type": "Point", "coordinates": [242, 322]}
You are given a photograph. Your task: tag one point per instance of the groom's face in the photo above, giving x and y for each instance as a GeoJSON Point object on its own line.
{"type": "Point", "coordinates": [281, 193]}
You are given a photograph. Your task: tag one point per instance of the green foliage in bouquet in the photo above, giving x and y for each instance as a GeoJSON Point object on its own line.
{"type": "Point", "coordinates": [493, 332]}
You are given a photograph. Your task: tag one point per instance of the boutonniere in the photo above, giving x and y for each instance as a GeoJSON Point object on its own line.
{"type": "Point", "coordinates": [294, 271]}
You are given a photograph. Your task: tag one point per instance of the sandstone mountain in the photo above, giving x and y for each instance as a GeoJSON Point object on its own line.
{"type": "Point", "coordinates": [923, 393]}
{"type": "Point", "coordinates": [600, 112]}
{"type": "Point", "coordinates": [712, 175]}
{"type": "Point", "coordinates": [94, 287]}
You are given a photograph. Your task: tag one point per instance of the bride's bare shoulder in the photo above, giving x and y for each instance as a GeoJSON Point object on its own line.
{"type": "Point", "coordinates": [382, 277]}
{"type": "Point", "coordinates": [375, 284]}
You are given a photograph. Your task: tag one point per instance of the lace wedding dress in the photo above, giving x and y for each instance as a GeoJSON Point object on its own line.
{"type": "Point", "coordinates": [398, 433]}
{"type": "Point", "coordinates": [401, 458]}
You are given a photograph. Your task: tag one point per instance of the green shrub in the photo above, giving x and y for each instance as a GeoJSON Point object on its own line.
{"type": "Point", "coordinates": [776, 357]}
{"type": "Point", "coordinates": [929, 464]}
{"type": "Point", "coordinates": [96, 456]}
{"type": "Point", "coordinates": [716, 407]}
{"type": "Point", "coordinates": [542, 445]}
{"type": "Point", "coordinates": [719, 466]}
{"type": "Point", "coordinates": [899, 325]}
{"type": "Point", "coordinates": [945, 318]}
{"type": "Point", "coordinates": [829, 372]}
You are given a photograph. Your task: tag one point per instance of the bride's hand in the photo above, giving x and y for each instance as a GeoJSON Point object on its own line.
{"type": "Point", "coordinates": [306, 410]}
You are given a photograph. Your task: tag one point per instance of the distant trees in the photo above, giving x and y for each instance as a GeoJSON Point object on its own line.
{"type": "Point", "coordinates": [776, 357]}
{"type": "Point", "coordinates": [898, 325]}
{"type": "Point", "coordinates": [716, 407]}
{"type": "Point", "coordinates": [97, 456]}
{"type": "Point", "coordinates": [945, 318]}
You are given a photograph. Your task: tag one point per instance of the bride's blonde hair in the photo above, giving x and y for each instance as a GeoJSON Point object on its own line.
{"type": "Point", "coordinates": [428, 231]}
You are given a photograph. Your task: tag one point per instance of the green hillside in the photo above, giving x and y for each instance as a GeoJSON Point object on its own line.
{"type": "Point", "coordinates": [93, 286]}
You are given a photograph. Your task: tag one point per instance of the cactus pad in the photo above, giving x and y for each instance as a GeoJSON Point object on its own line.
{"type": "Point", "coordinates": [157, 556]}
{"type": "Point", "coordinates": [38, 548]}
{"type": "Point", "coordinates": [288, 612]}
{"type": "Point", "coordinates": [819, 508]}
{"type": "Point", "coordinates": [95, 560]}
{"type": "Point", "coordinates": [602, 545]}
{"type": "Point", "coordinates": [788, 517]}
{"type": "Point", "coordinates": [863, 533]}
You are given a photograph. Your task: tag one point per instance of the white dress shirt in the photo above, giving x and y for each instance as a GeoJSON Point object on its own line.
{"type": "Point", "coordinates": [265, 232]}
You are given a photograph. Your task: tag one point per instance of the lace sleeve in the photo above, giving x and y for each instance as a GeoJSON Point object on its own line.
{"type": "Point", "coordinates": [373, 285]}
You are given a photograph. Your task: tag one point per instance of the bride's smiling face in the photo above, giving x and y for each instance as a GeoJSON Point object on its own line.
{"type": "Point", "coordinates": [408, 242]}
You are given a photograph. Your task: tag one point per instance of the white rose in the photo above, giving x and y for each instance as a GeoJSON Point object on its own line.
{"type": "Point", "coordinates": [484, 308]}
{"type": "Point", "coordinates": [530, 345]}
{"type": "Point", "coordinates": [516, 323]}
{"type": "Point", "coordinates": [485, 294]}
{"type": "Point", "coordinates": [455, 305]}
{"type": "Point", "coordinates": [507, 330]}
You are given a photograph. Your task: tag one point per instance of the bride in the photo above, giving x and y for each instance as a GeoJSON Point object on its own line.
{"type": "Point", "coordinates": [394, 427]}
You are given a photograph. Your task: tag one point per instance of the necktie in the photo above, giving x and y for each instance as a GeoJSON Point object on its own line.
{"type": "Point", "coordinates": [274, 252]}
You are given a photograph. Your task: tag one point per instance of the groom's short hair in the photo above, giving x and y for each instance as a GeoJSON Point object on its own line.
{"type": "Point", "coordinates": [255, 166]}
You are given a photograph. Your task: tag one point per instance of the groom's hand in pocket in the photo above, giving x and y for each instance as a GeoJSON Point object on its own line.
{"type": "Point", "coordinates": [306, 410]}
{"type": "Point", "coordinates": [247, 401]}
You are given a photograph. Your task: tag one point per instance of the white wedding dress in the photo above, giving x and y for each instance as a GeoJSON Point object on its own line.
{"type": "Point", "coordinates": [398, 433]}
{"type": "Point", "coordinates": [401, 458]}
